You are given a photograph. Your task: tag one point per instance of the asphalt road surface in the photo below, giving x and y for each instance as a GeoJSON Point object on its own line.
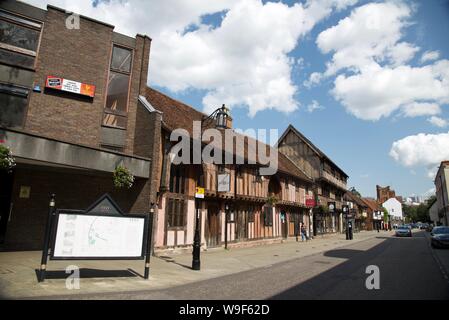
{"type": "Point", "coordinates": [408, 267]}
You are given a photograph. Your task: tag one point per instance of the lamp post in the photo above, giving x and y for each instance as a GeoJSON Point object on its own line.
{"type": "Point", "coordinates": [220, 116]}
{"type": "Point", "coordinates": [345, 209]}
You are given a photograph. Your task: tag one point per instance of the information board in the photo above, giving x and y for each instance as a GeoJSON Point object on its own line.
{"type": "Point", "coordinates": [84, 236]}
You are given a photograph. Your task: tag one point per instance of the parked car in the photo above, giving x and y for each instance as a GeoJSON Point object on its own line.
{"type": "Point", "coordinates": [423, 226]}
{"type": "Point", "coordinates": [440, 237]}
{"type": "Point", "coordinates": [403, 231]}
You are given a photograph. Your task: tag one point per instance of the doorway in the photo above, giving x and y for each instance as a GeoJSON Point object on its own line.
{"type": "Point", "coordinates": [242, 225]}
{"type": "Point", "coordinates": [284, 224]}
{"type": "Point", "coordinates": [5, 202]}
{"type": "Point", "coordinates": [213, 226]}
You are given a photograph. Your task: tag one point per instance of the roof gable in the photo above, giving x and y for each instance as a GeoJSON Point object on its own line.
{"type": "Point", "coordinates": [315, 149]}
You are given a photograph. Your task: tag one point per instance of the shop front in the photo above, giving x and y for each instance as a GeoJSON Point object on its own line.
{"type": "Point", "coordinates": [77, 175]}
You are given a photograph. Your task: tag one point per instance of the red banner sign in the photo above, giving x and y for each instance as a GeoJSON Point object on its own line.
{"type": "Point", "coordinates": [310, 203]}
{"type": "Point", "coordinates": [70, 86]}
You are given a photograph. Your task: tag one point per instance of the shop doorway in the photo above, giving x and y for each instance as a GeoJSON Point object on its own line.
{"type": "Point", "coordinates": [213, 226]}
{"type": "Point", "coordinates": [284, 224]}
{"type": "Point", "coordinates": [5, 202]}
{"type": "Point", "coordinates": [242, 225]}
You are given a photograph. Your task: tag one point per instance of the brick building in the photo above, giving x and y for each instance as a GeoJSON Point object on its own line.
{"type": "Point", "coordinates": [384, 193]}
{"type": "Point", "coordinates": [69, 106]}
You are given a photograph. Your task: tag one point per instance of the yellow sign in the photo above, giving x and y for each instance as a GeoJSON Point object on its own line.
{"type": "Point", "coordinates": [199, 193]}
{"type": "Point", "coordinates": [24, 192]}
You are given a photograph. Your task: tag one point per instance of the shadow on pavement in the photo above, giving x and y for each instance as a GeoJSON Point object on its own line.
{"type": "Point", "coordinates": [172, 260]}
{"type": "Point", "coordinates": [395, 260]}
{"type": "Point", "coordinates": [90, 273]}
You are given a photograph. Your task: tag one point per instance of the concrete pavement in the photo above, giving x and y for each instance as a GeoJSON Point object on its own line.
{"type": "Point", "coordinates": [18, 269]}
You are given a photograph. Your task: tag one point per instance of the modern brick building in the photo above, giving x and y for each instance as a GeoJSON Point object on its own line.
{"type": "Point", "coordinates": [70, 112]}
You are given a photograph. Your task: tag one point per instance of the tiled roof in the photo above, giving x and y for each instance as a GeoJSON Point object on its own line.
{"type": "Point", "coordinates": [176, 114]}
{"type": "Point", "coordinates": [352, 197]}
{"type": "Point", "coordinates": [372, 204]}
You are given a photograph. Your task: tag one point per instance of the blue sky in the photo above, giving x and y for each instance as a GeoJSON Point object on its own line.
{"type": "Point", "coordinates": [381, 68]}
{"type": "Point", "coordinates": [361, 148]}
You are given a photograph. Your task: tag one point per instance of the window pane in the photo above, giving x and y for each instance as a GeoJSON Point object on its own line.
{"type": "Point", "coordinates": [12, 110]}
{"type": "Point", "coordinates": [114, 120]}
{"type": "Point", "coordinates": [18, 36]}
{"type": "Point", "coordinates": [117, 92]}
{"type": "Point", "coordinates": [16, 59]}
{"type": "Point", "coordinates": [121, 59]}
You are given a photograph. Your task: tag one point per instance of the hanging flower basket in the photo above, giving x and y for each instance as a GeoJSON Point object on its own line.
{"type": "Point", "coordinates": [7, 161]}
{"type": "Point", "coordinates": [123, 178]}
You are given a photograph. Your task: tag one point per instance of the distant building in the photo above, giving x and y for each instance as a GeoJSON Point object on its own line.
{"type": "Point", "coordinates": [433, 213]}
{"type": "Point", "coordinates": [384, 193]}
{"type": "Point", "coordinates": [394, 208]}
{"type": "Point", "coordinates": [441, 186]}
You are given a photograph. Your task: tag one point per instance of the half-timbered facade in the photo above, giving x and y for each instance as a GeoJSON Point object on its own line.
{"type": "Point", "coordinates": [362, 217]}
{"type": "Point", "coordinates": [253, 208]}
{"type": "Point", "coordinates": [330, 180]}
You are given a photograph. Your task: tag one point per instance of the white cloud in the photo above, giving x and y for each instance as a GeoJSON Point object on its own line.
{"type": "Point", "coordinates": [379, 91]}
{"type": "Point", "coordinates": [369, 62]}
{"type": "Point", "coordinates": [314, 106]}
{"type": "Point", "coordinates": [426, 150]}
{"type": "Point", "coordinates": [314, 79]}
{"type": "Point", "coordinates": [416, 109]}
{"type": "Point", "coordinates": [369, 35]}
{"type": "Point", "coordinates": [429, 56]}
{"type": "Point", "coordinates": [242, 61]}
{"type": "Point", "coordinates": [437, 121]}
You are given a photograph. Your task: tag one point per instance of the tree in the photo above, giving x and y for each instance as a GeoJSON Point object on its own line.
{"type": "Point", "coordinates": [422, 213]}
{"type": "Point", "coordinates": [409, 213]}
{"type": "Point", "coordinates": [385, 215]}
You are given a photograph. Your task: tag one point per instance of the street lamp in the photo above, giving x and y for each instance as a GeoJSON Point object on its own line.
{"type": "Point", "coordinates": [345, 209]}
{"type": "Point", "coordinates": [220, 116]}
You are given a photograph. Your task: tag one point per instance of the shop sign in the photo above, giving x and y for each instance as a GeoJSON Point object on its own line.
{"type": "Point", "coordinates": [224, 182]}
{"type": "Point", "coordinates": [199, 193]}
{"type": "Point", "coordinates": [310, 203]}
{"type": "Point", "coordinates": [70, 86]}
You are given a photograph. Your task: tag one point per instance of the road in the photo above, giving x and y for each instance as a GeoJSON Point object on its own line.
{"type": "Point", "coordinates": [409, 269]}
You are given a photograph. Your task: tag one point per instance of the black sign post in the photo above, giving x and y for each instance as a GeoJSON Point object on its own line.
{"type": "Point", "coordinates": [48, 227]}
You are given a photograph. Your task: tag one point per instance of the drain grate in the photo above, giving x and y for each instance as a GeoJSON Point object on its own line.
{"type": "Point", "coordinates": [322, 262]}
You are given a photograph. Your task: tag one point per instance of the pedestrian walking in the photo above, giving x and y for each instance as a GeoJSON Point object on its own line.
{"type": "Point", "coordinates": [303, 232]}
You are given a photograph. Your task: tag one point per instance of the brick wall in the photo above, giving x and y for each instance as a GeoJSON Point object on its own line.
{"type": "Point", "coordinates": [147, 143]}
{"type": "Point", "coordinates": [73, 189]}
{"type": "Point", "coordinates": [81, 55]}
